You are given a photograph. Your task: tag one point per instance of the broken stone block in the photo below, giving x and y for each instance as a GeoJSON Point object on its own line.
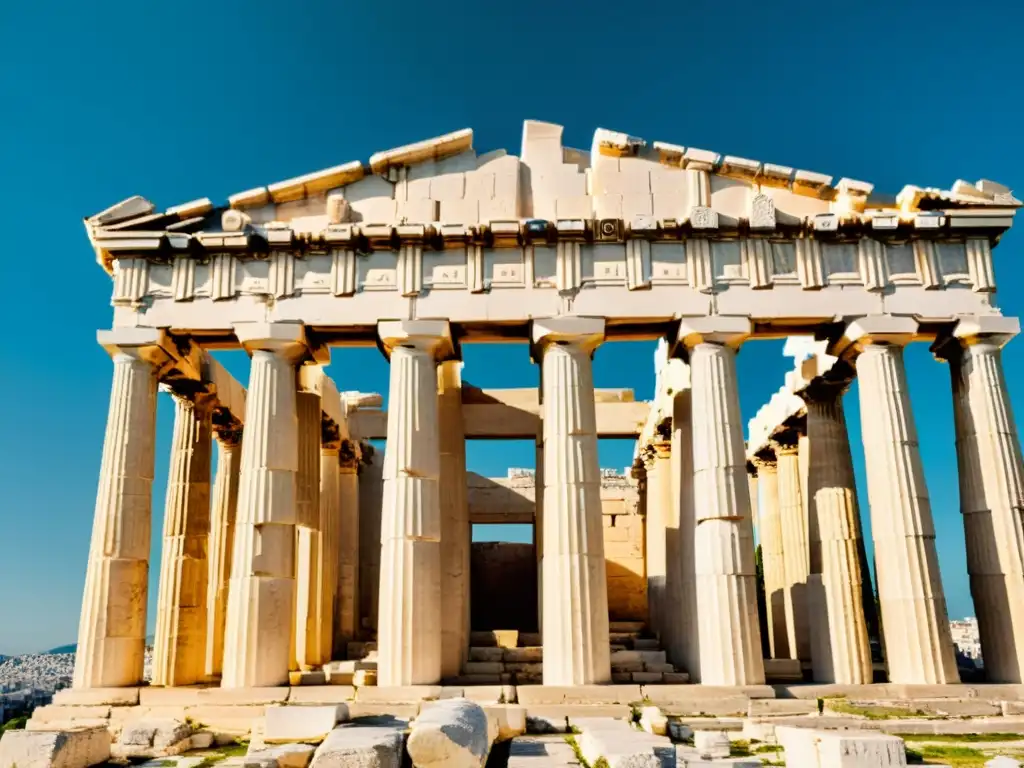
{"type": "Point", "coordinates": [153, 738]}
{"type": "Point", "coordinates": [754, 730]}
{"type": "Point", "coordinates": [360, 746]}
{"type": "Point", "coordinates": [864, 749]}
{"type": "Point", "coordinates": [653, 721]}
{"type": "Point", "coordinates": [620, 745]}
{"type": "Point", "coordinates": [364, 677]}
{"type": "Point", "coordinates": [290, 724]}
{"type": "Point", "coordinates": [506, 720]}
{"type": "Point", "coordinates": [711, 743]}
{"type": "Point", "coordinates": [1002, 761]}
{"type": "Point", "coordinates": [55, 749]}
{"type": "Point", "coordinates": [280, 756]}
{"type": "Point", "coordinates": [679, 731]}
{"type": "Point", "coordinates": [451, 733]}
{"type": "Point", "coordinates": [201, 740]}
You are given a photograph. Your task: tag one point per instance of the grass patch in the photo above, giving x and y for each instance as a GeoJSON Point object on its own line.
{"type": "Point", "coordinates": [959, 757]}
{"type": "Point", "coordinates": [766, 749]}
{"type": "Point", "coordinates": [871, 712]}
{"type": "Point", "coordinates": [739, 748]}
{"type": "Point", "coordinates": [239, 749]}
{"type": "Point", "coordinates": [970, 738]}
{"type": "Point", "coordinates": [571, 741]}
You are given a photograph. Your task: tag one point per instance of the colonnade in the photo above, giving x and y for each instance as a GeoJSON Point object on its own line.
{"type": "Point", "coordinates": [250, 610]}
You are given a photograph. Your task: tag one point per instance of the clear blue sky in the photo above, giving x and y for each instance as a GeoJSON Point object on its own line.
{"type": "Point", "coordinates": [174, 102]}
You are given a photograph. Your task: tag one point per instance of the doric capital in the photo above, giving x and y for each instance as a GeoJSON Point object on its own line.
{"type": "Point", "coordinates": [330, 437]}
{"type": "Point", "coordinates": [584, 332]}
{"type": "Point", "coordinates": [969, 331]}
{"type": "Point", "coordinates": [285, 339]}
{"type": "Point", "coordinates": [765, 459]}
{"type": "Point", "coordinates": [891, 330]}
{"type": "Point", "coordinates": [638, 471]}
{"type": "Point", "coordinates": [230, 437]}
{"type": "Point", "coordinates": [785, 440]}
{"type": "Point", "coordinates": [153, 345]}
{"type": "Point", "coordinates": [725, 330]}
{"type": "Point", "coordinates": [431, 336]}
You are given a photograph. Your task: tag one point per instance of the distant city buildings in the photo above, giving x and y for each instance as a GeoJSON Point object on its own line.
{"type": "Point", "coordinates": [967, 639]}
{"type": "Point", "coordinates": [29, 681]}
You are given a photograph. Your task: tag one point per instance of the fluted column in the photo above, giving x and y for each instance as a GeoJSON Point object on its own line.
{"type": "Point", "coordinates": [455, 527]}
{"type": "Point", "coordinates": [840, 652]}
{"type": "Point", "coordinates": [772, 557]}
{"type": "Point", "coordinates": [308, 539]}
{"type": "Point", "coordinates": [538, 526]}
{"type": "Point", "coordinates": [795, 552]}
{"type": "Point", "coordinates": [222, 535]}
{"type": "Point", "coordinates": [575, 631]}
{"type": "Point", "coordinates": [730, 641]}
{"type": "Point", "coordinates": [112, 631]}
{"type": "Point", "coordinates": [346, 611]}
{"type": "Point", "coordinates": [179, 646]}
{"type": "Point", "coordinates": [261, 600]}
{"type": "Point", "coordinates": [330, 540]}
{"type": "Point", "coordinates": [684, 644]}
{"type": "Point", "coordinates": [409, 619]}
{"type": "Point", "coordinates": [991, 488]}
{"type": "Point", "coordinates": [920, 648]}
{"type": "Point", "coordinates": [659, 499]}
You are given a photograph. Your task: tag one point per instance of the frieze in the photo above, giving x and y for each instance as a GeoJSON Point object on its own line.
{"type": "Point", "coordinates": [566, 266]}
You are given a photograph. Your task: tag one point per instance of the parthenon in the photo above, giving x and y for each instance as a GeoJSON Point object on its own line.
{"type": "Point", "coordinates": [265, 577]}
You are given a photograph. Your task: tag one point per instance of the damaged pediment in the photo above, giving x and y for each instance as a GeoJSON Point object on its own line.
{"type": "Point", "coordinates": [621, 184]}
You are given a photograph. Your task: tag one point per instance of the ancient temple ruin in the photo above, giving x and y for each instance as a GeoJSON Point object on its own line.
{"type": "Point", "coordinates": [305, 540]}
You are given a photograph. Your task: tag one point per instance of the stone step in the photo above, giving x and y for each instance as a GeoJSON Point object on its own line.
{"type": "Point", "coordinates": [502, 638]}
{"type": "Point", "coordinates": [541, 752]}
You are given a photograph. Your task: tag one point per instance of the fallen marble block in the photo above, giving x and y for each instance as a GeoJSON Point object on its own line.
{"type": "Point", "coordinates": [451, 733]}
{"type": "Point", "coordinates": [711, 743]}
{"type": "Point", "coordinates": [279, 756]}
{"type": "Point", "coordinates": [153, 738]}
{"type": "Point", "coordinates": [653, 721]}
{"type": "Point", "coordinates": [55, 749]}
{"type": "Point", "coordinates": [360, 746]}
{"type": "Point", "coordinates": [291, 724]}
{"type": "Point", "coordinates": [622, 746]}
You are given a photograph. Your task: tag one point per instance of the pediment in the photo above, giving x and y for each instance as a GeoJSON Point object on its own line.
{"type": "Point", "coordinates": [621, 184]}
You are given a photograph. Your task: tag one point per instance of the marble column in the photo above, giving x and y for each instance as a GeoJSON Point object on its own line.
{"type": "Point", "coordinates": [684, 646]}
{"type": "Point", "coordinates": [730, 639]}
{"type": "Point", "coordinates": [658, 467]}
{"type": "Point", "coordinates": [261, 599]}
{"type": "Point", "coordinates": [346, 612]}
{"type": "Point", "coordinates": [112, 631]}
{"type": "Point", "coordinates": [409, 619]}
{"type": "Point", "coordinates": [330, 540]}
{"type": "Point", "coordinates": [773, 560]}
{"type": "Point", "coordinates": [909, 585]}
{"type": "Point", "coordinates": [179, 645]}
{"type": "Point", "coordinates": [455, 527]}
{"type": "Point", "coordinates": [222, 535]}
{"type": "Point", "coordinates": [795, 551]}
{"type": "Point", "coordinates": [835, 585]}
{"type": "Point", "coordinates": [538, 526]}
{"type": "Point", "coordinates": [308, 538]}
{"type": "Point", "coordinates": [991, 488]}
{"type": "Point", "coordinates": [575, 631]}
